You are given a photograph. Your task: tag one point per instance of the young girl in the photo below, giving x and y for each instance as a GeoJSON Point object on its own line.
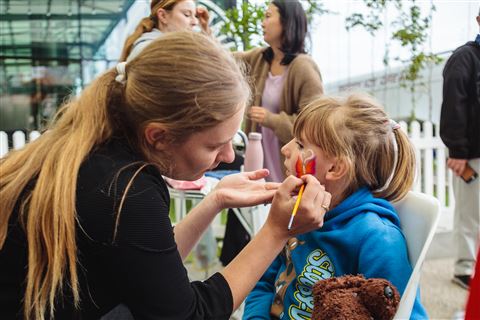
{"type": "Point", "coordinates": [365, 161]}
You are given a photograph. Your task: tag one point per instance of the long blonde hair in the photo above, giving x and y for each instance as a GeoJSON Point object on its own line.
{"type": "Point", "coordinates": [146, 24]}
{"type": "Point", "coordinates": [187, 93]}
{"type": "Point", "coordinates": [358, 131]}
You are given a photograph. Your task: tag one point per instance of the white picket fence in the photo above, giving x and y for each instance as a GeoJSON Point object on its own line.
{"type": "Point", "coordinates": [433, 177]}
{"type": "Point", "coordinates": [18, 140]}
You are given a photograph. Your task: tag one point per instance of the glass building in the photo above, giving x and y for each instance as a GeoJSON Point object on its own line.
{"type": "Point", "coordinates": [52, 48]}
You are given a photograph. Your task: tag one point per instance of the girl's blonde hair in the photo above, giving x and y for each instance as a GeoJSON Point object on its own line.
{"type": "Point", "coordinates": [357, 130]}
{"type": "Point", "coordinates": [186, 81]}
{"type": "Point", "coordinates": [146, 24]}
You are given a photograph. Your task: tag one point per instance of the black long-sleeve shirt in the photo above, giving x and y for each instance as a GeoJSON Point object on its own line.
{"type": "Point", "coordinates": [460, 115]}
{"type": "Point", "coordinates": [142, 268]}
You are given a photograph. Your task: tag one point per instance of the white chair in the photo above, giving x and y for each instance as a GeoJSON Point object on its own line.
{"type": "Point", "coordinates": [419, 214]}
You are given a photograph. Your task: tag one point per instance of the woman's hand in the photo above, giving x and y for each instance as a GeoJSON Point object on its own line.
{"type": "Point", "coordinates": [203, 19]}
{"type": "Point", "coordinates": [258, 114]}
{"type": "Point", "coordinates": [244, 189]}
{"type": "Point", "coordinates": [311, 211]}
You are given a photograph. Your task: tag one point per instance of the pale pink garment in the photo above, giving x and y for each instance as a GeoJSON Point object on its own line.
{"type": "Point", "coordinates": [186, 185]}
{"type": "Point", "coordinates": [271, 145]}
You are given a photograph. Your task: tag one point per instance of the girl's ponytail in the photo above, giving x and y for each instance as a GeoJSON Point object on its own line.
{"type": "Point", "coordinates": [145, 25]}
{"type": "Point", "coordinates": [404, 171]}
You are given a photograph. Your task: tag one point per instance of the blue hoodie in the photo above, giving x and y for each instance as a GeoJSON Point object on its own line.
{"type": "Point", "coordinates": [360, 236]}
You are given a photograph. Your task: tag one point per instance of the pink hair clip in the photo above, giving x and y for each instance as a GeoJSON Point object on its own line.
{"type": "Point", "coordinates": [393, 124]}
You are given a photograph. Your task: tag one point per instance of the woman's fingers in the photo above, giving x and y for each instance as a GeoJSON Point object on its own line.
{"type": "Point", "coordinates": [257, 174]}
{"type": "Point", "coordinates": [257, 114]}
{"type": "Point", "coordinates": [203, 15]}
{"type": "Point", "coordinates": [313, 205]}
{"type": "Point", "coordinates": [272, 185]}
{"type": "Point", "coordinates": [288, 187]}
{"type": "Point", "coordinates": [311, 209]}
{"type": "Point", "coordinates": [245, 189]}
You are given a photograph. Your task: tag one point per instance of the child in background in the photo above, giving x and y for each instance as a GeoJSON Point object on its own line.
{"type": "Point", "coordinates": [365, 161]}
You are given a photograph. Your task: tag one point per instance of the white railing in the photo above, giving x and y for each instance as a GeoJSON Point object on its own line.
{"type": "Point", "coordinates": [433, 177]}
{"type": "Point", "coordinates": [18, 140]}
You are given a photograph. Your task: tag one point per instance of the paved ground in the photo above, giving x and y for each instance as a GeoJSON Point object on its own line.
{"type": "Point", "coordinates": [441, 298]}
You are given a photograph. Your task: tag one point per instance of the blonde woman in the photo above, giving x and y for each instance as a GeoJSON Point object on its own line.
{"type": "Point", "coordinates": [84, 222]}
{"type": "Point", "coordinates": [165, 16]}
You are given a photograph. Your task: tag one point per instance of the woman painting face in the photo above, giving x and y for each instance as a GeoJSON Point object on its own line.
{"type": "Point", "coordinates": [203, 151]}
{"type": "Point", "coordinates": [181, 17]}
{"type": "Point", "coordinates": [272, 27]}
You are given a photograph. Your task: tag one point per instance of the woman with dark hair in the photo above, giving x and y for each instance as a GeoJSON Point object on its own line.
{"type": "Point", "coordinates": [285, 80]}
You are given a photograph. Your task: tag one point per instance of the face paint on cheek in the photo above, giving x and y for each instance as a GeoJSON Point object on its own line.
{"type": "Point", "coordinates": [309, 162]}
{"type": "Point", "coordinates": [310, 166]}
{"type": "Point", "coordinates": [299, 167]}
{"type": "Point", "coordinates": [306, 163]}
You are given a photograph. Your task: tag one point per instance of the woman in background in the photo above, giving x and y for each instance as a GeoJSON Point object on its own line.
{"type": "Point", "coordinates": [285, 79]}
{"type": "Point", "coordinates": [165, 16]}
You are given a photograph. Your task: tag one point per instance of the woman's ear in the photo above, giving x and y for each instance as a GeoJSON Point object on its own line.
{"type": "Point", "coordinates": [156, 136]}
{"type": "Point", "coordinates": [337, 171]}
{"type": "Point", "coordinates": [162, 16]}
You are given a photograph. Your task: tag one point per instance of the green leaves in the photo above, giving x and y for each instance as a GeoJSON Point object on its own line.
{"type": "Point", "coordinates": [410, 29]}
{"type": "Point", "coordinates": [242, 24]}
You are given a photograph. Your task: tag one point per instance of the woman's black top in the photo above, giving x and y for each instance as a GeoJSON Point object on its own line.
{"type": "Point", "coordinates": [141, 268]}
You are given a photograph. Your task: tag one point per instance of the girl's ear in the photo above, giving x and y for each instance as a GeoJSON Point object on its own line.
{"type": "Point", "coordinates": [337, 171]}
{"type": "Point", "coordinates": [162, 15]}
{"type": "Point", "coordinates": [156, 136]}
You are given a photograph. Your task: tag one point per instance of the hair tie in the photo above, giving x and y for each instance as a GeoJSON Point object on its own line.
{"type": "Point", "coordinates": [393, 124]}
{"type": "Point", "coordinates": [393, 139]}
{"type": "Point", "coordinates": [122, 75]}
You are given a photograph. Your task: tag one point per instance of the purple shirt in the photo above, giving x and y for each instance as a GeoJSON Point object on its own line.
{"type": "Point", "coordinates": [271, 145]}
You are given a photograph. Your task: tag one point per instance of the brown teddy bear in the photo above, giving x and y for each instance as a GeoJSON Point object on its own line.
{"type": "Point", "coordinates": [354, 298]}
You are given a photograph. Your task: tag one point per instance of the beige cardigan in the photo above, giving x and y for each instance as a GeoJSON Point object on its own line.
{"type": "Point", "coordinates": [302, 85]}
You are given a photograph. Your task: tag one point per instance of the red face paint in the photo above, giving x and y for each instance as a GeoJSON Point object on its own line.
{"type": "Point", "coordinates": [305, 164]}
{"type": "Point", "coordinates": [299, 167]}
{"type": "Point", "coordinates": [310, 166]}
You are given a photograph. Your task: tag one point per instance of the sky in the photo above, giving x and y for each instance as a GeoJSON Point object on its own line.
{"type": "Point", "coordinates": [342, 54]}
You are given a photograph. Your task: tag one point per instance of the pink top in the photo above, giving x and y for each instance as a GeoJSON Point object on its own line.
{"type": "Point", "coordinates": [271, 145]}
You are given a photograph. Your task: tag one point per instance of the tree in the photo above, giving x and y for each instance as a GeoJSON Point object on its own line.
{"type": "Point", "coordinates": [243, 24]}
{"type": "Point", "coordinates": [410, 30]}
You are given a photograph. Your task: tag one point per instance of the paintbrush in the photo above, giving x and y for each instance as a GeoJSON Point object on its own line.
{"type": "Point", "coordinates": [304, 165]}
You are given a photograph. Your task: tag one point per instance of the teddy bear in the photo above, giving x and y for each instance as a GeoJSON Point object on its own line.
{"type": "Point", "coordinates": [353, 297]}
